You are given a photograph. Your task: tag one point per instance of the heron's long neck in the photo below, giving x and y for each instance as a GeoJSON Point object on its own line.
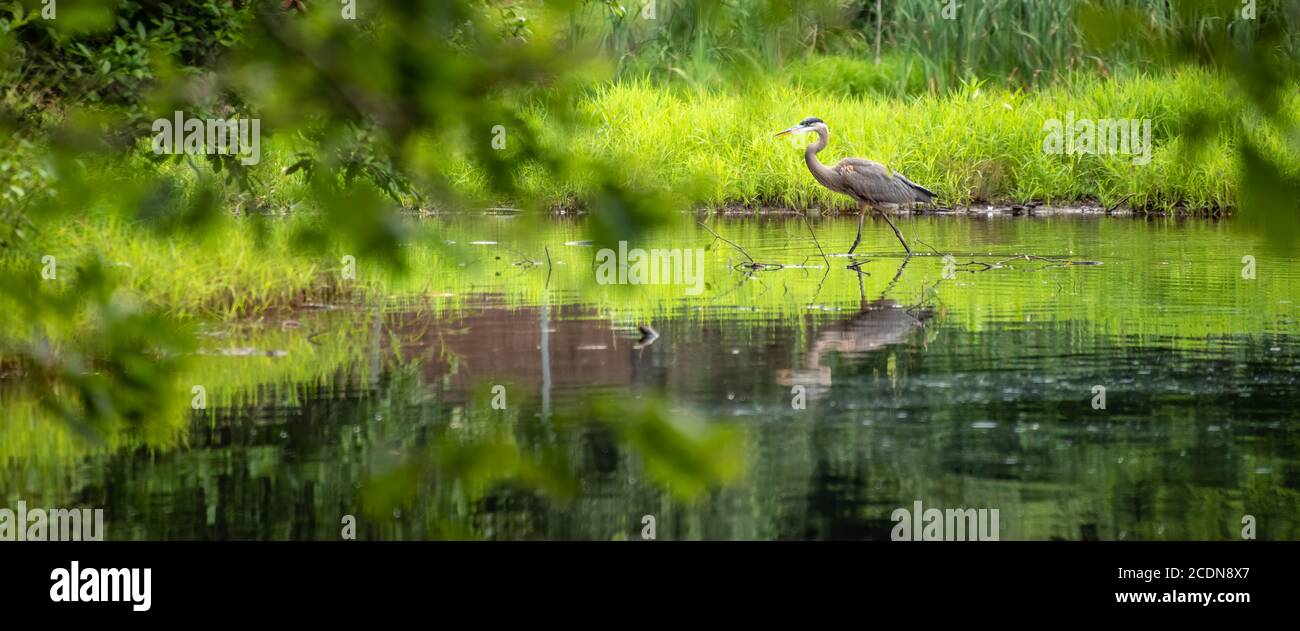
{"type": "Point", "coordinates": [819, 170]}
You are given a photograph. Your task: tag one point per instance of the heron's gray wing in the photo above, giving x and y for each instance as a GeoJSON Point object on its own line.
{"type": "Point", "coordinates": [923, 194]}
{"type": "Point", "coordinates": [872, 182]}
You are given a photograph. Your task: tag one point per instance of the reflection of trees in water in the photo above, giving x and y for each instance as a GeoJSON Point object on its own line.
{"type": "Point", "coordinates": [1159, 464]}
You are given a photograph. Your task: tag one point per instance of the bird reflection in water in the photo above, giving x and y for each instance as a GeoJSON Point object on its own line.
{"type": "Point", "coordinates": [877, 324]}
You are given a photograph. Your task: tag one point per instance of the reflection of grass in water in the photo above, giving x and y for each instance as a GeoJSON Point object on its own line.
{"type": "Point", "coordinates": [1159, 278]}
{"type": "Point", "coordinates": [30, 435]}
{"type": "Point", "coordinates": [316, 350]}
{"type": "Point", "coordinates": [324, 347]}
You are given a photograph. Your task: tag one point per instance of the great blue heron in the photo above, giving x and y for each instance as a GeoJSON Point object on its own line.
{"type": "Point", "coordinates": [864, 180]}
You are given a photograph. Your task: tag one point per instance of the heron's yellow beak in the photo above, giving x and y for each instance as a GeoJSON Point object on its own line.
{"type": "Point", "coordinates": [782, 133]}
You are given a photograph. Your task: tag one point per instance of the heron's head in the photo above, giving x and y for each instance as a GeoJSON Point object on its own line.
{"type": "Point", "coordinates": [810, 124]}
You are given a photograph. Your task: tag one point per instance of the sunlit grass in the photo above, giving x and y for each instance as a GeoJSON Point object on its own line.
{"type": "Point", "coordinates": [979, 144]}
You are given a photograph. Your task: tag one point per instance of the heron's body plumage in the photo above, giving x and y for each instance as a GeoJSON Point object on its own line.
{"type": "Point", "coordinates": [867, 181]}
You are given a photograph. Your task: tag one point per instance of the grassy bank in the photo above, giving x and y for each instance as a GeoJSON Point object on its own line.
{"type": "Point", "coordinates": [714, 148]}
{"type": "Point", "coordinates": [984, 144]}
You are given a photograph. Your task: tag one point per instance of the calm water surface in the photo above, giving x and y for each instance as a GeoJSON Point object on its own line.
{"type": "Point", "coordinates": [973, 381]}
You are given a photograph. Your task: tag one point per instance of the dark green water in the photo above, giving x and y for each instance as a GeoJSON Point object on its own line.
{"type": "Point", "coordinates": [936, 381]}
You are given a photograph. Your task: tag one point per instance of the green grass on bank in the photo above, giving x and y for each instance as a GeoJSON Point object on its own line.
{"type": "Point", "coordinates": [983, 144]}
{"type": "Point", "coordinates": [716, 147]}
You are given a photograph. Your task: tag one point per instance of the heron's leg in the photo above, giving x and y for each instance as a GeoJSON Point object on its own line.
{"type": "Point", "coordinates": [862, 213]}
{"type": "Point", "coordinates": [896, 232]}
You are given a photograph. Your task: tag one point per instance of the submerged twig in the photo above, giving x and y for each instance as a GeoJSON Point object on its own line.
{"type": "Point", "coordinates": [1034, 257]}
{"type": "Point", "coordinates": [1003, 262]}
{"type": "Point", "coordinates": [752, 265]}
{"type": "Point", "coordinates": [815, 240]}
{"type": "Point", "coordinates": [932, 248]}
{"type": "Point", "coordinates": [728, 241]}
{"type": "Point", "coordinates": [547, 248]}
